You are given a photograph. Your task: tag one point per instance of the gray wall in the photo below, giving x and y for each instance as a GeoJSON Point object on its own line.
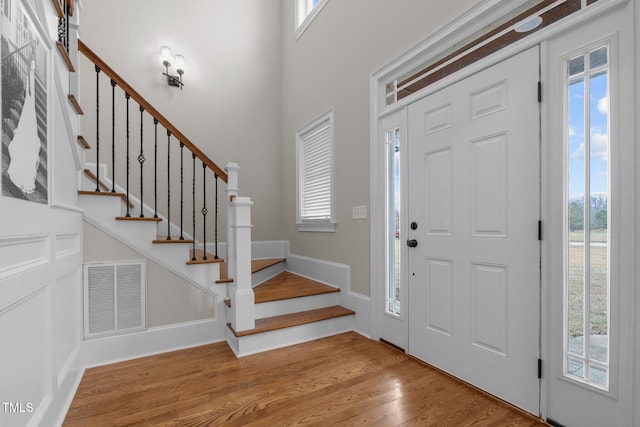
{"type": "Point", "coordinates": [250, 84]}
{"type": "Point", "coordinates": [329, 66]}
{"type": "Point", "coordinates": [170, 298]}
{"type": "Point", "coordinates": [230, 105]}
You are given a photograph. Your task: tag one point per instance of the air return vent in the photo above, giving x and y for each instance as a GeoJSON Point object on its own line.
{"type": "Point", "coordinates": [114, 298]}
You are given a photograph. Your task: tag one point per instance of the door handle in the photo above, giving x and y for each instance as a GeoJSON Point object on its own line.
{"type": "Point", "coordinates": [412, 243]}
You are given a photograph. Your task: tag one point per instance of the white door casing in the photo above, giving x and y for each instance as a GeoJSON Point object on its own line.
{"type": "Point", "coordinates": [605, 18]}
{"type": "Point", "coordinates": [474, 278]}
{"type": "Point", "coordinates": [571, 402]}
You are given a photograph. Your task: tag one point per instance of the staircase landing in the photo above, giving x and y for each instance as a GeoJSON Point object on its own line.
{"type": "Point", "coordinates": [287, 285]}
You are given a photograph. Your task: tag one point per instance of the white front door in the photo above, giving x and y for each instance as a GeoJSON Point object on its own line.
{"type": "Point", "coordinates": [474, 261]}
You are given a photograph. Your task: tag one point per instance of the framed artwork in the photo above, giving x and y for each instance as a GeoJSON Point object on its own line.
{"type": "Point", "coordinates": [25, 79]}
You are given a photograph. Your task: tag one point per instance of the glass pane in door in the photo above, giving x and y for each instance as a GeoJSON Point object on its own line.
{"type": "Point", "coordinates": [393, 249]}
{"type": "Point", "coordinates": [587, 288]}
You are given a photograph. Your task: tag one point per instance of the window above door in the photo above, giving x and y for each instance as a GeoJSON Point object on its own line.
{"type": "Point", "coordinates": [305, 13]}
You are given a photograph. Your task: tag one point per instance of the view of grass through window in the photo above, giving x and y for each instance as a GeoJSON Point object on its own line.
{"type": "Point", "coordinates": [587, 268]}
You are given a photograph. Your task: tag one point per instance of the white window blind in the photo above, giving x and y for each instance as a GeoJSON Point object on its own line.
{"type": "Point", "coordinates": [315, 175]}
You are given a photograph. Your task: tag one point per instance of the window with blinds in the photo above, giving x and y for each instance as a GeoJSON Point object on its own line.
{"type": "Point", "coordinates": [315, 204]}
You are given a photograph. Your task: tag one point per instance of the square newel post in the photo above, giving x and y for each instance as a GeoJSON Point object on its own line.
{"type": "Point", "coordinates": [232, 170]}
{"type": "Point", "coordinates": [242, 301]}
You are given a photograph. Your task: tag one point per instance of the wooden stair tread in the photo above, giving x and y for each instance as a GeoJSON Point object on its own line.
{"type": "Point", "coordinates": [287, 285]}
{"type": "Point", "coordinates": [199, 254]}
{"type": "Point", "coordinates": [261, 264]}
{"type": "Point", "coordinates": [102, 193]}
{"type": "Point", "coordinates": [174, 239]}
{"type": "Point", "coordinates": [65, 56]}
{"type": "Point", "coordinates": [137, 218]}
{"type": "Point", "coordinates": [74, 103]}
{"type": "Point", "coordinates": [256, 265]}
{"type": "Point", "coordinates": [294, 319]}
{"type": "Point", "coordinates": [82, 141]}
{"type": "Point", "coordinates": [107, 191]}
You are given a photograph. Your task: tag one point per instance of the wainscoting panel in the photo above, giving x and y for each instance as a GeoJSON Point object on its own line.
{"type": "Point", "coordinates": [23, 359]}
{"type": "Point", "coordinates": [22, 253]}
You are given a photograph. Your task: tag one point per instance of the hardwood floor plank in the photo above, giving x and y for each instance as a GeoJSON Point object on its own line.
{"type": "Point", "coordinates": [341, 380]}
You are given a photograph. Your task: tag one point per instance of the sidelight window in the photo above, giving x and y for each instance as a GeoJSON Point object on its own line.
{"type": "Point", "coordinates": [392, 297]}
{"type": "Point", "coordinates": [587, 260]}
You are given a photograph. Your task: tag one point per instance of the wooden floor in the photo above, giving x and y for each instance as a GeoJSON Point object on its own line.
{"type": "Point", "coordinates": [341, 380]}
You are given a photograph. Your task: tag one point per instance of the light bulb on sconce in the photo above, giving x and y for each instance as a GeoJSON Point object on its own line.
{"type": "Point", "coordinates": [165, 57]}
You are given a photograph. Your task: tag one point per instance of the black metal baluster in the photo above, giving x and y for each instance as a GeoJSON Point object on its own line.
{"type": "Point", "coordinates": [127, 96]}
{"type": "Point", "coordinates": [155, 169]}
{"type": "Point", "coordinates": [62, 28]}
{"type": "Point", "coordinates": [181, 188]}
{"type": "Point", "coordinates": [141, 160]}
{"type": "Point", "coordinates": [97, 129]}
{"type": "Point", "coordinates": [216, 219]}
{"type": "Point", "coordinates": [193, 197]}
{"type": "Point", "coordinates": [66, 18]}
{"type": "Point", "coordinates": [168, 184]}
{"type": "Point", "coordinates": [63, 25]}
{"type": "Point", "coordinates": [204, 211]}
{"type": "Point", "coordinates": [113, 136]}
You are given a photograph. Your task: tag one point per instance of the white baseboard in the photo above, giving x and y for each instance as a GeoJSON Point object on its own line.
{"type": "Point", "coordinates": [339, 275]}
{"type": "Point", "coordinates": [108, 350]}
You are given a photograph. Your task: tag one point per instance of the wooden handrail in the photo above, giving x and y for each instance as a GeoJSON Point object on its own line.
{"type": "Point", "coordinates": [91, 55]}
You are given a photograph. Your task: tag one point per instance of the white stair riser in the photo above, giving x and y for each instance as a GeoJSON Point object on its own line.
{"type": "Point", "coordinates": [294, 305]}
{"type": "Point", "coordinates": [103, 207]}
{"type": "Point", "coordinates": [263, 275]}
{"type": "Point", "coordinates": [139, 235]}
{"type": "Point", "coordinates": [265, 341]}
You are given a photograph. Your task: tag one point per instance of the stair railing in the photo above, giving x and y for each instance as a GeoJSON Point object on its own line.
{"type": "Point", "coordinates": [134, 151]}
{"type": "Point", "coordinates": [238, 230]}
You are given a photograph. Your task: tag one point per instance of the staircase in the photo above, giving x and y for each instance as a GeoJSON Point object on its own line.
{"type": "Point", "coordinates": [263, 304]}
{"type": "Point", "coordinates": [289, 309]}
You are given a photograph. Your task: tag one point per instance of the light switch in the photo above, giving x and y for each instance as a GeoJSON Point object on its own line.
{"type": "Point", "coordinates": [359, 212]}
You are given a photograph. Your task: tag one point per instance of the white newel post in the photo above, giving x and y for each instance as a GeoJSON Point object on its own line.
{"type": "Point", "coordinates": [242, 301]}
{"type": "Point", "coordinates": [232, 170]}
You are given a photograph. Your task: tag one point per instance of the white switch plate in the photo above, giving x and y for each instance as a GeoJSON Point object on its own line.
{"type": "Point", "coordinates": [359, 212]}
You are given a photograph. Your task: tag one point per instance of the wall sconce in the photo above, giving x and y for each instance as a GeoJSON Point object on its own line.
{"type": "Point", "coordinates": [165, 56]}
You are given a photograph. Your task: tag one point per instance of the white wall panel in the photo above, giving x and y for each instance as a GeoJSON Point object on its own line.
{"type": "Point", "coordinates": [21, 253]}
{"type": "Point", "coordinates": [23, 358]}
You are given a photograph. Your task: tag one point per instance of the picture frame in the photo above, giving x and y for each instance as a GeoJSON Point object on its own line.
{"type": "Point", "coordinates": [25, 90]}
